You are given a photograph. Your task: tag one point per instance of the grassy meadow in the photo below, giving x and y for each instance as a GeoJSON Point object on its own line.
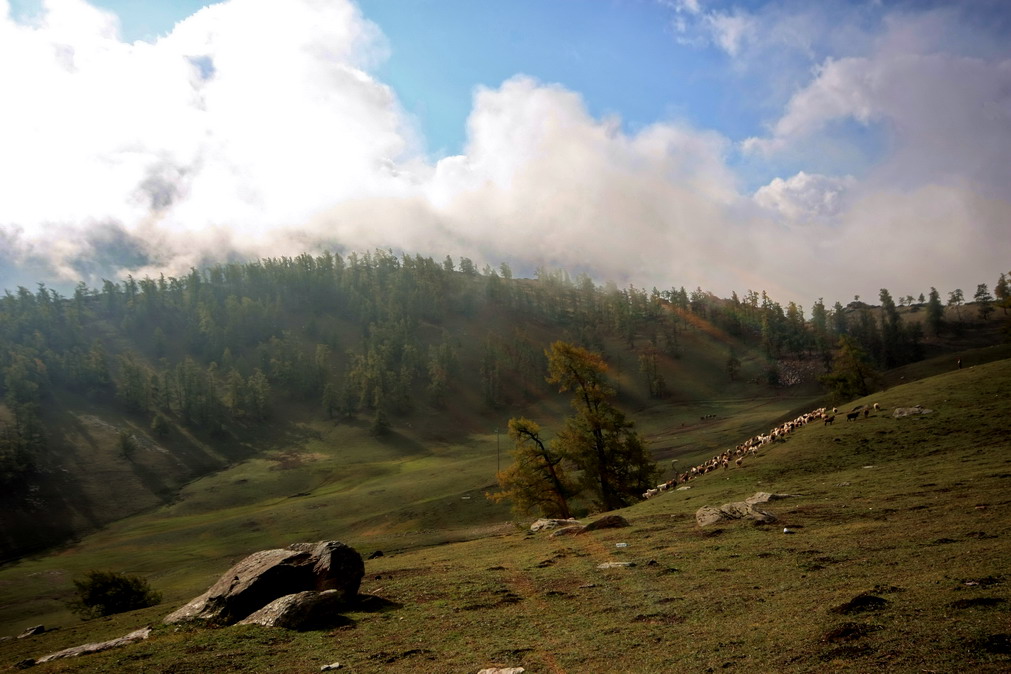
{"type": "Point", "coordinates": [897, 560]}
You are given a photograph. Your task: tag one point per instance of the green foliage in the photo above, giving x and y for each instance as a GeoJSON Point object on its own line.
{"type": "Point", "coordinates": [984, 301]}
{"type": "Point", "coordinates": [380, 423]}
{"type": "Point", "coordinates": [649, 366]}
{"type": "Point", "coordinates": [935, 312]}
{"type": "Point", "coordinates": [160, 426]}
{"type": "Point", "coordinates": [127, 444]}
{"type": "Point", "coordinates": [956, 298]}
{"type": "Point", "coordinates": [1002, 293]}
{"type": "Point", "coordinates": [852, 373]}
{"type": "Point", "coordinates": [537, 478]}
{"type": "Point", "coordinates": [733, 364]}
{"type": "Point", "coordinates": [103, 593]}
{"type": "Point", "coordinates": [598, 439]}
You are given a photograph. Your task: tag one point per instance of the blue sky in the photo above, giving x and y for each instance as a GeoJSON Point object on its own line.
{"type": "Point", "coordinates": [721, 143]}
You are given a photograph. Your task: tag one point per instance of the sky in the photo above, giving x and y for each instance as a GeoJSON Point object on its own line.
{"type": "Point", "coordinates": [812, 150]}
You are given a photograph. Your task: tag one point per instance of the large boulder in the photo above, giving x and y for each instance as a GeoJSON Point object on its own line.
{"type": "Point", "coordinates": [746, 509]}
{"type": "Point", "coordinates": [265, 576]}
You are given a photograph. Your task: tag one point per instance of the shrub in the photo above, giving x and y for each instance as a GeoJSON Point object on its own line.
{"type": "Point", "coordinates": [102, 593]}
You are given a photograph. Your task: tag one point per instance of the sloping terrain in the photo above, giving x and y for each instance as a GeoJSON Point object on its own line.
{"type": "Point", "coordinates": [896, 562]}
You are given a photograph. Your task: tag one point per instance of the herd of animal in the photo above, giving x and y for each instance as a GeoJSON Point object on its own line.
{"type": "Point", "coordinates": [751, 446]}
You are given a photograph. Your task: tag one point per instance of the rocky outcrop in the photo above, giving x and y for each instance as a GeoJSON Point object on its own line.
{"type": "Point", "coordinates": [265, 576]}
{"type": "Point", "coordinates": [567, 531]}
{"type": "Point", "coordinates": [132, 637]}
{"type": "Point", "coordinates": [573, 528]}
{"type": "Point", "coordinates": [548, 523]}
{"type": "Point", "coordinates": [32, 631]}
{"type": "Point", "coordinates": [746, 509]}
{"type": "Point", "coordinates": [900, 412]}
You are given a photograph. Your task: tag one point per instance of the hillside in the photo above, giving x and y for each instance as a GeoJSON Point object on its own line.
{"type": "Point", "coordinates": [897, 562]}
{"type": "Point", "coordinates": [120, 400]}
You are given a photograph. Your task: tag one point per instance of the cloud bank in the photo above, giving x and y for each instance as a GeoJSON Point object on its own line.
{"type": "Point", "coordinates": [256, 129]}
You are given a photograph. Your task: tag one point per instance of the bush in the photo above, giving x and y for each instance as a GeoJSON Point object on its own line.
{"type": "Point", "coordinates": [102, 593]}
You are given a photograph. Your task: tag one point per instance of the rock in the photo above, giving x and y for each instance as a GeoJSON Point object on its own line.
{"type": "Point", "coordinates": [615, 565]}
{"type": "Point", "coordinates": [337, 566]}
{"type": "Point", "coordinates": [765, 497]}
{"type": "Point", "coordinates": [131, 638]}
{"type": "Point", "coordinates": [302, 610]}
{"type": "Point", "coordinates": [707, 515]}
{"type": "Point", "coordinates": [548, 523]}
{"type": "Point", "coordinates": [25, 664]}
{"type": "Point", "coordinates": [265, 576]}
{"type": "Point", "coordinates": [899, 412]}
{"type": "Point", "coordinates": [32, 631]}
{"type": "Point", "coordinates": [746, 509]}
{"type": "Point", "coordinates": [376, 555]}
{"type": "Point", "coordinates": [607, 522]}
{"type": "Point", "coordinates": [332, 666]}
{"type": "Point", "coordinates": [567, 531]}
{"type": "Point", "coordinates": [502, 670]}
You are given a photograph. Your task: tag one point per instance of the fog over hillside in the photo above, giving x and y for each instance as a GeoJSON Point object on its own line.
{"type": "Point", "coordinates": [255, 129]}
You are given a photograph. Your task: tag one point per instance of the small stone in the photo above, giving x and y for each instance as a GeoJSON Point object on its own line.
{"type": "Point", "coordinates": [32, 631]}
{"type": "Point", "coordinates": [502, 670]}
{"type": "Point", "coordinates": [615, 565]}
{"type": "Point", "coordinates": [332, 666]}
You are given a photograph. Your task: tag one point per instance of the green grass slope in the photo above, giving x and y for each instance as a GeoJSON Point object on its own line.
{"type": "Point", "coordinates": [898, 562]}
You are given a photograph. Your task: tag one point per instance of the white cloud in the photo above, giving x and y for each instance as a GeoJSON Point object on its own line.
{"type": "Point", "coordinates": [255, 129]}
{"type": "Point", "coordinates": [805, 197]}
{"type": "Point", "coordinates": [250, 116]}
{"type": "Point", "coordinates": [730, 31]}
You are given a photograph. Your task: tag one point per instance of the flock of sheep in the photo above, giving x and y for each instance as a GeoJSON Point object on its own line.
{"type": "Point", "coordinates": [751, 446]}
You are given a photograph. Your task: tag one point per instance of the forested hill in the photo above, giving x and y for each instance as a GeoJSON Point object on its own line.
{"type": "Point", "coordinates": [115, 397]}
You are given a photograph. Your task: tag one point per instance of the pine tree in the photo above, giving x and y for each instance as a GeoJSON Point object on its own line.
{"type": "Point", "coordinates": [984, 301]}
{"type": "Point", "coordinates": [935, 313]}
{"type": "Point", "coordinates": [1002, 292]}
{"type": "Point", "coordinates": [852, 373]}
{"type": "Point", "coordinates": [598, 439]}
{"type": "Point", "coordinates": [537, 477]}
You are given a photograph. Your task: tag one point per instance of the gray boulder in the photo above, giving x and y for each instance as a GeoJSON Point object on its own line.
{"type": "Point", "coordinates": [302, 610]}
{"type": "Point", "coordinates": [549, 523]}
{"type": "Point", "coordinates": [265, 576]}
{"type": "Point", "coordinates": [567, 531]}
{"type": "Point", "coordinates": [573, 528]}
{"type": "Point", "coordinates": [746, 509]}
{"type": "Point", "coordinates": [32, 631]}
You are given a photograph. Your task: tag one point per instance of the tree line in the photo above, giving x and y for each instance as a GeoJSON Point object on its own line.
{"type": "Point", "coordinates": [368, 334]}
